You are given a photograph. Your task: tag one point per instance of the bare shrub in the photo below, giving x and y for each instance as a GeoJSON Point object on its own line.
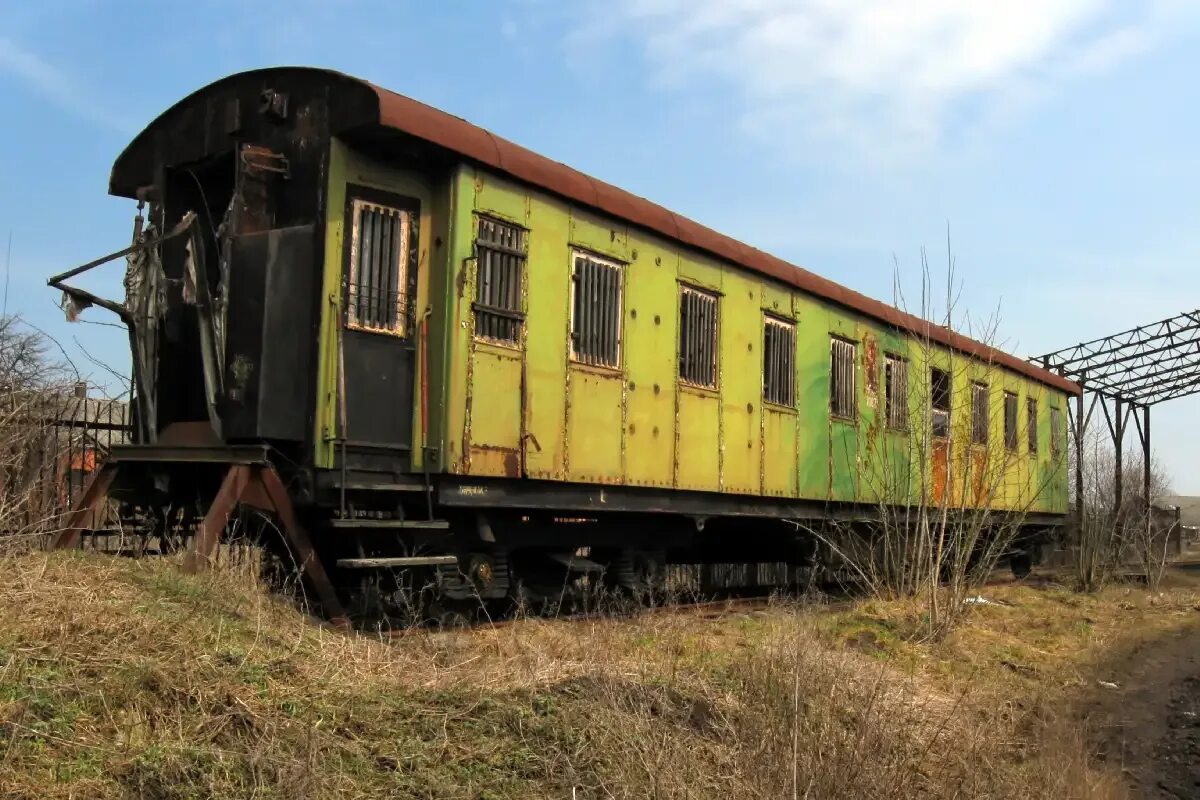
{"type": "Point", "coordinates": [946, 509]}
{"type": "Point", "coordinates": [171, 685]}
{"type": "Point", "coordinates": [48, 435]}
{"type": "Point", "coordinates": [1115, 531]}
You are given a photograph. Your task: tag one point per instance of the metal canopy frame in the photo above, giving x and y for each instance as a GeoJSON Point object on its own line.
{"type": "Point", "coordinates": [1131, 371]}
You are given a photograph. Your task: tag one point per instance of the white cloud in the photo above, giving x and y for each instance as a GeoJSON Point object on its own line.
{"type": "Point", "coordinates": [882, 76]}
{"type": "Point", "coordinates": [54, 86]}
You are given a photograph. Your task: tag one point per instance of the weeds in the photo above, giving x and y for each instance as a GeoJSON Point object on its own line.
{"type": "Point", "coordinates": [126, 678]}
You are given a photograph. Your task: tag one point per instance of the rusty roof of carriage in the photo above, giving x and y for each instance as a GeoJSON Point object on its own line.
{"type": "Point", "coordinates": [389, 110]}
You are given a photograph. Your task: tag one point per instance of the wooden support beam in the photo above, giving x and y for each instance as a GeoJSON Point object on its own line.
{"type": "Point", "coordinates": [204, 544]}
{"type": "Point", "coordinates": [297, 537]}
{"type": "Point", "coordinates": [93, 498]}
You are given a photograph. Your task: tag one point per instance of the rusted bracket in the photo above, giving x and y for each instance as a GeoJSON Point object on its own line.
{"type": "Point", "coordinates": [261, 159]}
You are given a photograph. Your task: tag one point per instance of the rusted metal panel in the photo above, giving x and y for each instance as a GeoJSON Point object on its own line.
{"type": "Point", "coordinates": [940, 470]}
{"type": "Point", "coordinates": [496, 461]}
{"type": "Point", "coordinates": [982, 479]}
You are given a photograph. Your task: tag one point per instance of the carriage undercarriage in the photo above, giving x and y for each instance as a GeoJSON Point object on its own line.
{"type": "Point", "coordinates": [372, 550]}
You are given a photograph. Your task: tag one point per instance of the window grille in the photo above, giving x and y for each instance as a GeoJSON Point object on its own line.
{"type": "Point", "coordinates": [377, 299]}
{"type": "Point", "coordinates": [698, 337]}
{"type": "Point", "coordinates": [779, 359]}
{"type": "Point", "coordinates": [895, 392]}
{"type": "Point", "coordinates": [500, 252]}
{"type": "Point", "coordinates": [842, 390]}
{"type": "Point", "coordinates": [979, 413]}
{"type": "Point", "coordinates": [1055, 430]}
{"type": "Point", "coordinates": [596, 311]}
{"type": "Point", "coordinates": [1010, 421]}
{"type": "Point", "coordinates": [939, 402]}
{"type": "Point", "coordinates": [1031, 423]}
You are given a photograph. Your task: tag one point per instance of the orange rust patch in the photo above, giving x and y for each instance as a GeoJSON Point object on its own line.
{"type": "Point", "coordinates": [941, 459]}
{"type": "Point", "coordinates": [496, 461]}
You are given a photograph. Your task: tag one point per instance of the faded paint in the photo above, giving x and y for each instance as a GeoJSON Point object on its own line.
{"type": "Point", "coordinates": [531, 410]}
{"type": "Point", "coordinates": [622, 209]}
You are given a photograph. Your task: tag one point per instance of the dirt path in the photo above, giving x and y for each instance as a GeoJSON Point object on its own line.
{"type": "Point", "coordinates": [1149, 726]}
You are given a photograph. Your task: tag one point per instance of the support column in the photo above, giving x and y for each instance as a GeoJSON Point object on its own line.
{"type": "Point", "coordinates": [1118, 439]}
{"type": "Point", "coordinates": [208, 535]}
{"type": "Point", "coordinates": [1079, 431]}
{"type": "Point", "coordinates": [1146, 456]}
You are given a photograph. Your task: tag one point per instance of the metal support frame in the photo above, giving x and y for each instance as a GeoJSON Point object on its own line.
{"type": "Point", "coordinates": [1133, 370]}
{"type": "Point", "coordinates": [251, 484]}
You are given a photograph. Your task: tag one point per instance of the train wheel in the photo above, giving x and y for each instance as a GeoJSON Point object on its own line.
{"type": "Point", "coordinates": [1021, 564]}
{"type": "Point", "coordinates": [640, 572]}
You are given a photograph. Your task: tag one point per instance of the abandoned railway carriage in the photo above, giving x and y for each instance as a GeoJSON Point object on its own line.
{"type": "Point", "coordinates": [462, 355]}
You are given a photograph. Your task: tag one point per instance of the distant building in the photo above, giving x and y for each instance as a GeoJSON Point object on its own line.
{"type": "Point", "coordinates": [1189, 517]}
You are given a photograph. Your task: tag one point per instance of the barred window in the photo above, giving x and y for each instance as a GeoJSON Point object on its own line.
{"type": "Point", "coordinates": [698, 337]}
{"type": "Point", "coordinates": [378, 280]}
{"type": "Point", "coordinates": [979, 413]}
{"type": "Point", "coordinates": [596, 310]}
{"type": "Point", "coordinates": [1010, 421]}
{"type": "Point", "coordinates": [939, 402]}
{"type": "Point", "coordinates": [1031, 423]}
{"type": "Point", "coordinates": [842, 391]}
{"type": "Point", "coordinates": [895, 392]}
{"type": "Point", "coordinates": [1055, 430]}
{"type": "Point", "coordinates": [500, 266]}
{"type": "Point", "coordinates": [779, 359]}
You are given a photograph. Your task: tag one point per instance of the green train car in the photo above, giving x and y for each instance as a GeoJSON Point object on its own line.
{"type": "Point", "coordinates": [461, 355]}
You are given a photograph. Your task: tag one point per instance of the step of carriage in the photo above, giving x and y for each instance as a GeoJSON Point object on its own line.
{"type": "Point", "coordinates": [577, 563]}
{"type": "Point", "coordinates": [373, 484]}
{"type": "Point", "coordinates": [398, 562]}
{"type": "Point", "coordinates": [369, 523]}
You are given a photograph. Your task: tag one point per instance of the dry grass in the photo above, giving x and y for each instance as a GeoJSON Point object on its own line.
{"type": "Point", "coordinates": [126, 678]}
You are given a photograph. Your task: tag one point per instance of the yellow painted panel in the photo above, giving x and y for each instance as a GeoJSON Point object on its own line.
{"type": "Point", "coordinates": [605, 236]}
{"type": "Point", "coordinates": [812, 398]}
{"type": "Point", "coordinates": [549, 282]}
{"type": "Point", "coordinates": [499, 198]}
{"type": "Point", "coordinates": [698, 441]}
{"type": "Point", "coordinates": [741, 383]}
{"type": "Point", "coordinates": [779, 452]}
{"type": "Point", "coordinates": [594, 423]}
{"type": "Point", "coordinates": [701, 271]}
{"type": "Point", "coordinates": [607, 430]}
{"type": "Point", "coordinates": [651, 319]}
{"type": "Point", "coordinates": [496, 397]}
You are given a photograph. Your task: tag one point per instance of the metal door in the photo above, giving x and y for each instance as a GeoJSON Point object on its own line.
{"type": "Point", "coordinates": [378, 330]}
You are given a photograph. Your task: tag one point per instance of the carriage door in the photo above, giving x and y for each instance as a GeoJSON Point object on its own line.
{"type": "Point", "coordinates": [496, 399]}
{"type": "Point", "coordinates": [378, 332]}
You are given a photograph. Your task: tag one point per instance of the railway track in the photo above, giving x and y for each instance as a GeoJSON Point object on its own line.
{"type": "Point", "coordinates": [704, 609]}
{"type": "Point", "coordinates": [711, 608]}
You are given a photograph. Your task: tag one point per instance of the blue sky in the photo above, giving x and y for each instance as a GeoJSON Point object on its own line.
{"type": "Point", "coordinates": [1056, 138]}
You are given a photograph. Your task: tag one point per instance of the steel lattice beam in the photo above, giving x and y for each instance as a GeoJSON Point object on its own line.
{"type": "Point", "coordinates": [1144, 365]}
{"type": "Point", "coordinates": [1132, 370]}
